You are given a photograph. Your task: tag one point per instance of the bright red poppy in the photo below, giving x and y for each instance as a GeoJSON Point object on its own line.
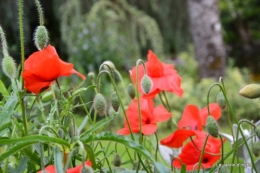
{"type": "Point", "coordinates": [150, 116]}
{"type": "Point", "coordinates": [51, 168]}
{"type": "Point", "coordinates": [43, 67]}
{"type": "Point", "coordinates": [163, 76]}
{"type": "Point", "coordinates": [191, 123]}
{"type": "Point", "coordinates": [190, 155]}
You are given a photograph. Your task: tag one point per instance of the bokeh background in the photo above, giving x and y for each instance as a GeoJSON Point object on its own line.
{"type": "Point", "coordinates": [204, 39]}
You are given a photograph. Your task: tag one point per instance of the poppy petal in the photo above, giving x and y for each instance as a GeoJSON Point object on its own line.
{"type": "Point", "coordinates": [215, 111]}
{"type": "Point", "coordinates": [160, 114]}
{"type": "Point", "coordinates": [190, 118]}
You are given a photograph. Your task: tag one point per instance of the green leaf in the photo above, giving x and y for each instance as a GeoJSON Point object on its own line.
{"type": "Point", "coordinates": [109, 136]}
{"type": "Point", "coordinates": [22, 165]}
{"type": "Point", "coordinates": [58, 157]}
{"type": "Point", "coordinates": [78, 91]}
{"type": "Point", "coordinates": [13, 149]}
{"type": "Point", "coordinates": [183, 168]}
{"type": "Point", "coordinates": [34, 139]}
{"type": "Point", "coordinates": [3, 89]}
{"type": "Point", "coordinates": [99, 124]}
{"type": "Point", "coordinates": [3, 128]}
{"type": "Point", "coordinates": [91, 155]}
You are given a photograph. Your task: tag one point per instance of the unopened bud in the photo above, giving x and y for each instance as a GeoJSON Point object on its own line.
{"type": "Point", "coordinates": [117, 160]}
{"type": "Point", "coordinates": [250, 91]}
{"type": "Point", "coordinates": [100, 104]}
{"type": "Point", "coordinates": [131, 90]}
{"type": "Point", "coordinates": [258, 132]}
{"type": "Point", "coordinates": [221, 100]}
{"type": "Point", "coordinates": [146, 84]}
{"type": "Point", "coordinates": [256, 149]}
{"type": "Point", "coordinates": [86, 169]}
{"type": "Point", "coordinates": [91, 75]}
{"type": "Point", "coordinates": [114, 101]}
{"type": "Point", "coordinates": [212, 126]}
{"type": "Point", "coordinates": [109, 64]}
{"type": "Point", "coordinates": [41, 37]}
{"type": "Point", "coordinates": [9, 67]}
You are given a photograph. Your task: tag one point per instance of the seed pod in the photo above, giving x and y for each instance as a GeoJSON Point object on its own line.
{"type": "Point", "coordinates": [250, 91]}
{"type": "Point", "coordinates": [146, 84]}
{"type": "Point", "coordinates": [41, 37]}
{"type": "Point", "coordinates": [221, 100]}
{"type": "Point", "coordinates": [114, 101]}
{"type": "Point", "coordinates": [9, 67]}
{"type": "Point", "coordinates": [131, 90]}
{"type": "Point", "coordinates": [100, 104]}
{"type": "Point", "coordinates": [117, 160]}
{"type": "Point", "coordinates": [212, 126]}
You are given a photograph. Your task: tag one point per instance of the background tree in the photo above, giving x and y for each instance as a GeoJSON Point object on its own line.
{"type": "Point", "coordinates": [207, 38]}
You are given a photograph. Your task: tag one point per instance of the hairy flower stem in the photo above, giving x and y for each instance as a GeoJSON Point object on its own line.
{"type": "Point", "coordinates": [40, 12]}
{"type": "Point", "coordinates": [3, 41]}
{"type": "Point", "coordinates": [21, 100]}
{"type": "Point", "coordinates": [202, 153]}
{"type": "Point", "coordinates": [236, 121]}
{"type": "Point", "coordinates": [157, 146]}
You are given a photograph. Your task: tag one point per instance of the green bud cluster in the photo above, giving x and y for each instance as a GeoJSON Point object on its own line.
{"type": "Point", "coordinates": [9, 67]}
{"type": "Point", "coordinates": [250, 91]}
{"type": "Point", "coordinates": [41, 37]}
{"type": "Point", "coordinates": [212, 126]}
{"type": "Point", "coordinates": [221, 100]}
{"type": "Point", "coordinates": [100, 104]}
{"type": "Point", "coordinates": [114, 101]}
{"type": "Point", "coordinates": [131, 91]}
{"type": "Point", "coordinates": [146, 84]}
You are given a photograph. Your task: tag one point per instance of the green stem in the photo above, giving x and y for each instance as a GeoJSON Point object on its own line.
{"type": "Point", "coordinates": [222, 149]}
{"type": "Point", "coordinates": [202, 153]}
{"type": "Point", "coordinates": [40, 12]}
{"type": "Point", "coordinates": [4, 44]}
{"type": "Point", "coordinates": [157, 146]}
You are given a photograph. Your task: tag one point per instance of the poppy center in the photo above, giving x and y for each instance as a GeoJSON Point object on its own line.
{"type": "Point", "coordinates": [147, 121]}
{"type": "Point", "coordinates": [205, 160]}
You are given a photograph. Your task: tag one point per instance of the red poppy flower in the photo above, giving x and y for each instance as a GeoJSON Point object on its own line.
{"type": "Point", "coordinates": [190, 155]}
{"type": "Point", "coordinates": [191, 124]}
{"type": "Point", "coordinates": [43, 67]}
{"type": "Point", "coordinates": [77, 169]}
{"type": "Point", "coordinates": [150, 116]}
{"type": "Point", "coordinates": [164, 76]}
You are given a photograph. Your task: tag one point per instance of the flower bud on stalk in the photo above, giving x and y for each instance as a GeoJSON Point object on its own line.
{"type": "Point", "coordinates": [91, 75]}
{"type": "Point", "coordinates": [117, 160]}
{"type": "Point", "coordinates": [114, 101]}
{"type": "Point", "coordinates": [146, 84]}
{"type": "Point", "coordinates": [86, 169]}
{"type": "Point", "coordinates": [131, 91]}
{"type": "Point", "coordinates": [110, 64]}
{"type": "Point", "coordinates": [100, 104]}
{"type": "Point", "coordinates": [41, 37]}
{"type": "Point", "coordinates": [9, 67]}
{"type": "Point", "coordinates": [221, 100]}
{"type": "Point", "coordinates": [212, 126]}
{"type": "Point", "coordinates": [250, 91]}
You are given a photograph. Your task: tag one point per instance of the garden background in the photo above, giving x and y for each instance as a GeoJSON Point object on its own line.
{"type": "Point", "coordinates": [204, 40]}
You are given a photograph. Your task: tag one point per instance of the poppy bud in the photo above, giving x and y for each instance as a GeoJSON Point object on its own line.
{"type": "Point", "coordinates": [86, 169]}
{"type": "Point", "coordinates": [41, 37]}
{"type": "Point", "coordinates": [100, 104]}
{"type": "Point", "coordinates": [258, 132]}
{"type": "Point", "coordinates": [221, 100]}
{"type": "Point", "coordinates": [114, 101]}
{"type": "Point", "coordinates": [117, 160]}
{"type": "Point", "coordinates": [146, 84]}
{"type": "Point", "coordinates": [91, 75]}
{"type": "Point", "coordinates": [224, 169]}
{"type": "Point", "coordinates": [9, 67]}
{"type": "Point", "coordinates": [109, 64]}
{"type": "Point", "coordinates": [250, 91]}
{"type": "Point", "coordinates": [256, 149]}
{"type": "Point", "coordinates": [212, 126]}
{"type": "Point", "coordinates": [131, 91]}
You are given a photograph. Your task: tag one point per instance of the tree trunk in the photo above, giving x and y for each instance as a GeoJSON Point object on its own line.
{"type": "Point", "coordinates": [206, 34]}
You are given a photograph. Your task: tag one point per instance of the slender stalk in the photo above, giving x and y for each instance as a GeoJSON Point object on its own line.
{"type": "Point", "coordinates": [157, 146]}
{"type": "Point", "coordinates": [40, 12]}
{"type": "Point", "coordinates": [4, 44]}
{"type": "Point", "coordinates": [202, 153]}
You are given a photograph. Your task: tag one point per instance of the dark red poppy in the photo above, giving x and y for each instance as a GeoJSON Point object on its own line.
{"type": "Point", "coordinates": [43, 67]}
{"type": "Point", "coordinates": [150, 116]}
{"type": "Point", "coordinates": [77, 169]}
{"type": "Point", "coordinates": [191, 123]}
{"type": "Point", "coordinates": [163, 76]}
{"type": "Point", "coordinates": [190, 155]}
